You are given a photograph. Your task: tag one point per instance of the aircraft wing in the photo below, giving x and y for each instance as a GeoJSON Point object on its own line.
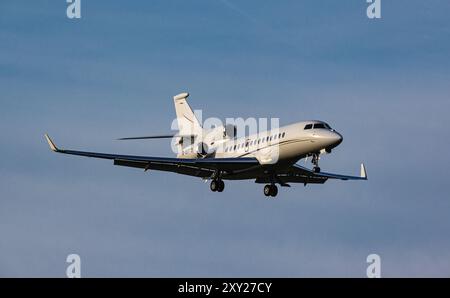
{"type": "Point", "coordinates": [188, 166]}
{"type": "Point", "coordinates": [299, 170]}
{"type": "Point", "coordinates": [299, 174]}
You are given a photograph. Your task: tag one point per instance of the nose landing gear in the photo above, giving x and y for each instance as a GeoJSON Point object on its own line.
{"type": "Point", "coordinates": [315, 162]}
{"type": "Point", "coordinates": [270, 190]}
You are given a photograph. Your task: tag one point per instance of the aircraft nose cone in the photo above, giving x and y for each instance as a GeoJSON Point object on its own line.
{"type": "Point", "coordinates": [337, 138]}
{"type": "Point", "coordinates": [332, 139]}
{"type": "Point", "coordinates": [328, 139]}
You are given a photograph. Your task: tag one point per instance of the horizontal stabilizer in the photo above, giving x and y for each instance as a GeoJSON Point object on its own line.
{"type": "Point", "coordinates": [148, 137]}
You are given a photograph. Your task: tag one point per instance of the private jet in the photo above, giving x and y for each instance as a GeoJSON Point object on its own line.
{"type": "Point", "coordinates": [269, 157]}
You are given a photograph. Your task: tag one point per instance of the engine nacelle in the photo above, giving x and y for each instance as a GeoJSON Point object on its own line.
{"type": "Point", "coordinates": [204, 150]}
{"type": "Point", "coordinates": [218, 133]}
{"type": "Point", "coordinates": [230, 131]}
{"type": "Point", "coordinates": [211, 139]}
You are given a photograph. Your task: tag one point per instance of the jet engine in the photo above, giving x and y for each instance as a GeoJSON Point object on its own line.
{"type": "Point", "coordinates": [229, 131]}
{"type": "Point", "coordinates": [203, 150]}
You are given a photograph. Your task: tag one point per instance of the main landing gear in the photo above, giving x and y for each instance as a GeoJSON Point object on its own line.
{"type": "Point", "coordinates": [217, 185]}
{"type": "Point", "coordinates": [270, 190]}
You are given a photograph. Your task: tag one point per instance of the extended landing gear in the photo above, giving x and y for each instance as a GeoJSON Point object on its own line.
{"type": "Point", "coordinates": [270, 190]}
{"type": "Point", "coordinates": [217, 185]}
{"type": "Point", "coordinates": [315, 162]}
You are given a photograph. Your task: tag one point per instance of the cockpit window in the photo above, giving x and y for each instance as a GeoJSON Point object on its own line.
{"type": "Point", "coordinates": [308, 126]}
{"type": "Point", "coordinates": [322, 125]}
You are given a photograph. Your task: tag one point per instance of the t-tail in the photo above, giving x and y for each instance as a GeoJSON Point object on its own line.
{"type": "Point", "coordinates": [187, 121]}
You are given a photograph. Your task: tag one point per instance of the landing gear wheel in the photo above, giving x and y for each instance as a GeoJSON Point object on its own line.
{"type": "Point", "coordinates": [214, 186]}
{"type": "Point", "coordinates": [217, 185]}
{"type": "Point", "coordinates": [221, 186]}
{"type": "Point", "coordinates": [274, 190]}
{"type": "Point", "coordinates": [316, 170]}
{"type": "Point", "coordinates": [267, 190]}
{"type": "Point", "coordinates": [270, 190]}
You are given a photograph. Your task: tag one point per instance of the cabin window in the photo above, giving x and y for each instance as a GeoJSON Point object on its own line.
{"type": "Point", "coordinates": [282, 135]}
{"type": "Point", "coordinates": [234, 147]}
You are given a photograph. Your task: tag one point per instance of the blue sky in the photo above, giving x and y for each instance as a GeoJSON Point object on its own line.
{"type": "Point", "coordinates": [383, 84]}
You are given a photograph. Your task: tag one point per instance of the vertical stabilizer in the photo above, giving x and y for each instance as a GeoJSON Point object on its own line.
{"type": "Point", "coordinates": [188, 123]}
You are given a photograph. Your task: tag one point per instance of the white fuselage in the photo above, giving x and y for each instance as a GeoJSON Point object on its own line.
{"type": "Point", "coordinates": [290, 142]}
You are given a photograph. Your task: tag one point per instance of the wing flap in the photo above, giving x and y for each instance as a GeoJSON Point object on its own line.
{"type": "Point", "coordinates": [130, 163]}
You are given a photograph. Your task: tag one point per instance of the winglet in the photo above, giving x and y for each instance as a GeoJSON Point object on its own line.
{"type": "Point", "coordinates": [363, 172]}
{"type": "Point", "coordinates": [51, 144]}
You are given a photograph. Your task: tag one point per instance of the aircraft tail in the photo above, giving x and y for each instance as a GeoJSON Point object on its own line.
{"type": "Point", "coordinates": [188, 123]}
